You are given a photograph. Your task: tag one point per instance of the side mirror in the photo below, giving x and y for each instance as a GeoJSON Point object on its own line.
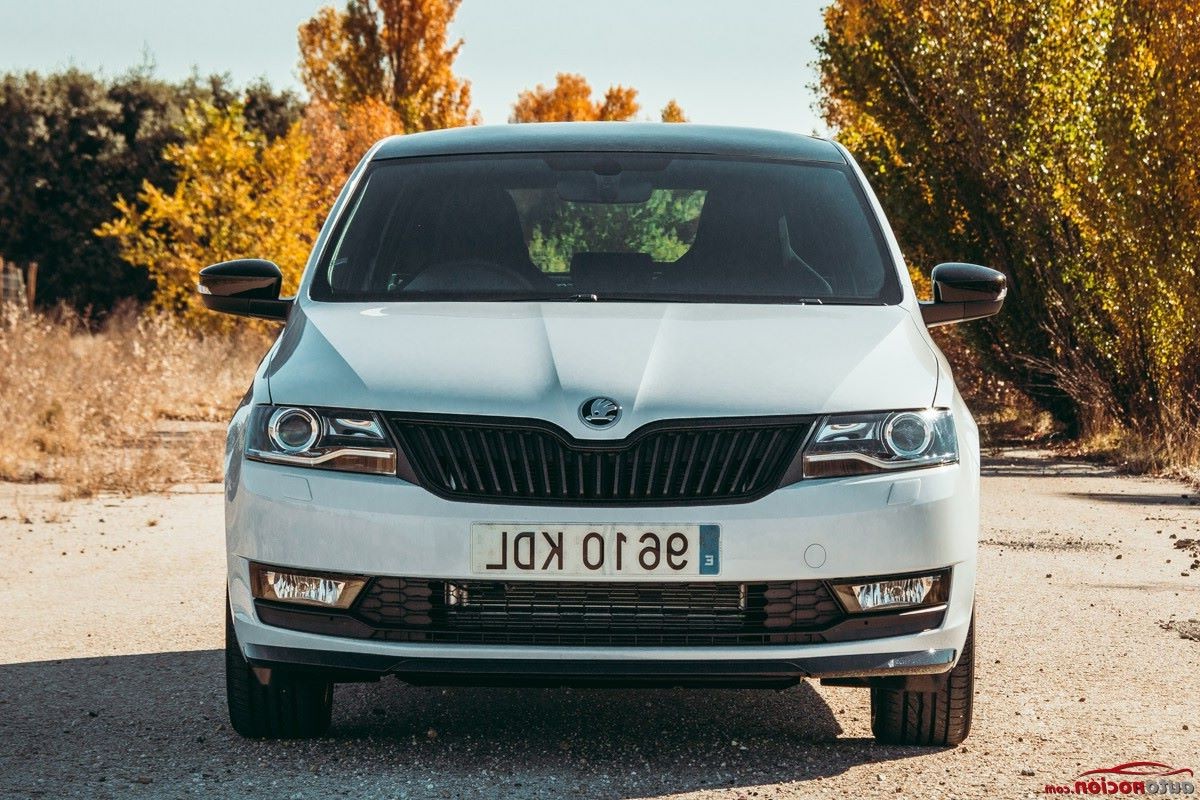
{"type": "Point", "coordinates": [248, 287]}
{"type": "Point", "coordinates": [963, 292]}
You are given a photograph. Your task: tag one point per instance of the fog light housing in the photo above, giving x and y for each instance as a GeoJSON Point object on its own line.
{"type": "Point", "coordinates": [326, 590]}
{"type": "Point", "coordinates": [867, 595]}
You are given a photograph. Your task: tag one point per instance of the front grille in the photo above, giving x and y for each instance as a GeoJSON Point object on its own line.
{"type": "Point", "coordinates": [526, 461]}
{"type": "Point", "coordinates": [569, 613]}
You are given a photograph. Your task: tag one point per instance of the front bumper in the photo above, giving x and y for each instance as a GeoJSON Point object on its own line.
{"type": "Point", "coordinates": [508, 671]}
{"type": "Point", "coordinates": [829, 529]}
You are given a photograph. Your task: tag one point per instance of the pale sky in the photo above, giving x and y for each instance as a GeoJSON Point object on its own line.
{"type": "Point", "coordinates": [726, 62]}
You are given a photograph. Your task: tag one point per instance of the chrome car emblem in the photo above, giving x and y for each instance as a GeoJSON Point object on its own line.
{"type": "Point", "coordinates": [600, 412]}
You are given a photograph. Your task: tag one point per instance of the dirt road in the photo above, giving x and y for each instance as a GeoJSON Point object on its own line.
{"type": "Point", "coordinates": [111, 680]}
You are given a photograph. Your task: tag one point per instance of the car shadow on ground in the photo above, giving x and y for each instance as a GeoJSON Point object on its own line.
{"type": "Point", "coordinates": [1169, 498]}
{"type": "Point", "coordinates": [150, 725]}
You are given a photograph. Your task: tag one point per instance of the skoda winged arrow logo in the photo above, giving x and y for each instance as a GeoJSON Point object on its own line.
{"type": "Point", "coordinates": [600, 412]}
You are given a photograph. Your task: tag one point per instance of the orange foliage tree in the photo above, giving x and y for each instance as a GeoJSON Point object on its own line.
{"type": "Point", "coordinates": [374, 69]}
{"type": "Point", "coordinates": [339, 139]}
{"type": "Point", "coordinates": [672, 112]}
{"type": "Point", "coordinates": [391, 51]}
{"type": "Point", "coordinates": [570, 100]}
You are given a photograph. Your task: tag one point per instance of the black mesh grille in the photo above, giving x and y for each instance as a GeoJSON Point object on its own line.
{"type": "Point", "coordinates": [568, 613]}
{"type": "Point", "coordinates": [680, 462]}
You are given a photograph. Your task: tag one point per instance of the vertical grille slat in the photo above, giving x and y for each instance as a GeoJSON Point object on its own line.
{"type": "Point", "coordinates": [671, 462]}
{"type": "Point", "coordinates": [528, 469]}
{"type": "Point", "coordinates": [658, 440]}
{"type": "Point", "coordinates": [727, 459]}
{"type": "Point", "coordinates": [453, 459]}
{"type": "Point", "coordinates": [441, 470]}
{"type": "Point", "coordinates": [526, 461]}
{"type": "Point", "coordinates": [545, 462]}
{"type": "Point", "coordinates": [507, 458]}
{"type": "Point", "coordinates": [706, 464]}
{"type": "Point", "coordinates": [486, 450]}
{"type": "Point", "coordinates": [763, 460]}
{"type": "Point", "coordinates": [744, 461]}
{"type": "Point", "coordinates": [471, 460]}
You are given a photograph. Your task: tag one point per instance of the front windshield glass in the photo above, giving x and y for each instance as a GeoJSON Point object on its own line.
{"type": "Point", "coordinates": [606, 226]}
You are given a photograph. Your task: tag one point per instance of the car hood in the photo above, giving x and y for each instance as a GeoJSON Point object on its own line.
{"type": "Point", "coordinates": [658, 361]}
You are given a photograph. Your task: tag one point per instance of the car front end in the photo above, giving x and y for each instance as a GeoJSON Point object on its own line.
{"type": "Point", "coordinates": [616, 413]}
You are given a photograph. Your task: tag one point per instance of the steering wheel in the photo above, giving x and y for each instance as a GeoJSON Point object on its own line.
{"type": "Point", "coordinates": [469, 274]}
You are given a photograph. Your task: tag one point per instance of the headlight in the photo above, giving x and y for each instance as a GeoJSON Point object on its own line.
{"type": "Point", "coordinates": [860, 444]}
{"type": "Point", "coordinates": [350, 441]}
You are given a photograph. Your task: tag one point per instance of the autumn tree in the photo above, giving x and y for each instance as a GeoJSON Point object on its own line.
{"type": "Point", "coordinates": [393, 52]}
{"type": "Point", "coordinates": [672, 112]}
{"type": "Point", "coordinates": [339, 138]}
{"type": "Point", "coordinates": [236, 194]}
{"type": "Point", "coordinates": [1056, 141]}
{"type": "Point", "coordinates": [570, 100]}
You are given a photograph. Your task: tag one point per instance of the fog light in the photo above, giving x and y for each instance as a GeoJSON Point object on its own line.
{"type": "Point", "coordinates": [894, 593]}
{"type": "Point", "coordinates": [330, 591]}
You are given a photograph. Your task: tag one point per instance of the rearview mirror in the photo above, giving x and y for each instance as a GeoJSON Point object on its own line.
{"type": "Point", "coordinates": [963, 292]}
{"type": "Point", "coordinates": [248, 287]}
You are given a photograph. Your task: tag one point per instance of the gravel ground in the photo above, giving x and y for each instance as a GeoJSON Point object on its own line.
{"type": "Point", "coordinates": [111, 679]}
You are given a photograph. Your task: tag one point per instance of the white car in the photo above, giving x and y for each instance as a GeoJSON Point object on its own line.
{"type": "Point", "coordinates": [604, 404]}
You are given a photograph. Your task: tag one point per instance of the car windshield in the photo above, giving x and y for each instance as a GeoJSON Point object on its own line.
{"type": "Point", "coordinates": [606, 226]}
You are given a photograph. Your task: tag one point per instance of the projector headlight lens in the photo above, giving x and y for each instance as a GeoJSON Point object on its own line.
{"type": "Point", "coordinates": [293, 430]}
{"type": "Point", "coordinates": [287, 586]}
{"type": "Point", "coordinates": [907, 435]}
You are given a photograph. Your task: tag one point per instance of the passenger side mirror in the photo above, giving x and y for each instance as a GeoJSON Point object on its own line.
{"type": "Point", "coordinates": [248, 287]}
{"type": "Point", "coordinates": [963, 292]}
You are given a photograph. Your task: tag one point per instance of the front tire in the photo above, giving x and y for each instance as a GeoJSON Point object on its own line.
{"type": "Point", "coordinates": [290, 705]}
{"type": "Point", "coordinates": [939, 718]}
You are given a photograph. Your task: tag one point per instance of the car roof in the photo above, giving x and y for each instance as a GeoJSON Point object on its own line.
{"type": "Point", "coordinates": [633, 137]}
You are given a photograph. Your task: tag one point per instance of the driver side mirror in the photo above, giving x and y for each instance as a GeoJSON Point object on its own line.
{"type": "Point", "coordinates": [247, 287]}
{"type": "Point", "coordinates": [963, 292]}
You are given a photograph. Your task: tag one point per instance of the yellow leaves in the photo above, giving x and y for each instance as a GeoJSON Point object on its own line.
{"type": "Point", "coordinates": [393, 52]}
{"type": "Point", "coordinates": [1058, 141]}
{"type": "Point", "coordinates": [237, 195]}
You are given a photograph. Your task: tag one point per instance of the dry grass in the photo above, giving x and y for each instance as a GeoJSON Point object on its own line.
{"type": "Point", "coordinates": [1176, 456]}
{"type": "Point", "coordinates": [122, 407]}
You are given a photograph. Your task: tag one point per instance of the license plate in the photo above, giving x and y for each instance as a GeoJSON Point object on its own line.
{"type": "Point", "coordinates": [521, 549]}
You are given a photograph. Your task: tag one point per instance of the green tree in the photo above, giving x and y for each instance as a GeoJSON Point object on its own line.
{"type": "Point", "coordinates": [236, 194]}
{"type": "Point", "coordinates": [663, 226]}
{"type": "Point", "coordinates": [1055, 141]}
{"type": "Point", "coordinates": [71, 142]}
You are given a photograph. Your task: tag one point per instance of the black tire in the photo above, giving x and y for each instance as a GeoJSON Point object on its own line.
{"type": "Point", "coordinates": [290, 705]}
{"type": "Point", "coordinates": [939, 718]}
